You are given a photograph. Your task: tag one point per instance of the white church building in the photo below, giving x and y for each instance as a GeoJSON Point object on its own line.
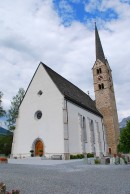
{"type": "Point", "coordinates": [57, 118]}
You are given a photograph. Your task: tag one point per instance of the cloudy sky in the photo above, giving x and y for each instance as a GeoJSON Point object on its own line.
{"type": "Point", "coordinates": [60, 33]}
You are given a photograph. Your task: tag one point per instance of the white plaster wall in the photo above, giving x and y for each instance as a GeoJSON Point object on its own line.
{"type": "Point", "coordinates": [50, 127]}
{"type": "Point", "coordinates": [75, 144]}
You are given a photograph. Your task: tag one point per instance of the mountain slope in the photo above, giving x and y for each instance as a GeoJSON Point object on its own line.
{"type": "Point", "coordinates": [4, 131]}
{"type": "Point", "coordinates": [122, 124]}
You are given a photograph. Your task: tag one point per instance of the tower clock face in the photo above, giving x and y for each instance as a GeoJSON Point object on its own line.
{"type": "Point", "coordinates": [100, 77]}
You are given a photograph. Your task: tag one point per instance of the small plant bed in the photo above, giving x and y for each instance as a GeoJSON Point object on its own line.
{"type": "Point", "coordinates": [90, 155]}
{"type": "Point", "coordinates": [78, 156]}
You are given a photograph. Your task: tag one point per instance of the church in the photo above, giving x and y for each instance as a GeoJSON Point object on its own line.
{"type": "Point", "coordinates": [56, 118]}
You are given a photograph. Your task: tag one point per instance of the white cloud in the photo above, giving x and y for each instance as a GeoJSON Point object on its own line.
{"type": "Point", "coordinates": [92, 5]}
{"type": "Point", "coordinates": [64, 5]}
{"type": "Point", "coordinates": [67, 12]}
{"type": "Point", "coordinates": [32, 32]}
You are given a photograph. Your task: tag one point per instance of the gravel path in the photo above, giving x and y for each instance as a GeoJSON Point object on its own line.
{"type": "Point", "coordinates": [72, 178]}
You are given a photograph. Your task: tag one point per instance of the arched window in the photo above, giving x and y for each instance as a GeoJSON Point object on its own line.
{"type": "Point", "coordinates": [84, 130]}
{"type": "Point", "coordinates": [102, 86]}
{"type": "Point", "coordinates": [97, 71]}
{"type": "Point", "coordinates": [92, 134]}
{"type": "Point", "coordinates": [100, 70]}
{"type": "Point", "coordinates": [99, 86]}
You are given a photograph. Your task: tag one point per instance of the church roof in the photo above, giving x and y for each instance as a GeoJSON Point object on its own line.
{"type": "Point", "coordinates": [72, 92]}
{"type": "Point", "coordinates": [99, 50]}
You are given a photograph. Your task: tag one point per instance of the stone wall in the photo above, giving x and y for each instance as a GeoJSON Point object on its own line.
{"type": "Point", "coordinates": [106, 104]}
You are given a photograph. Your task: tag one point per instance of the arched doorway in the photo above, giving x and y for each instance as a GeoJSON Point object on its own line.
{"type": "Point", "coordinates": [39, 148]}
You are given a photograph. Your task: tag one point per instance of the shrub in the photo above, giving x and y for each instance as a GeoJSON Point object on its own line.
{"type": "Point", "coordinates": [78, 156]}
{"type": "Point", "coordinates": [6, 144]}
{"type": "Point", "coordinates": [71, 157]}
{"type": "Point", "coordinates": [90, 155]}
{"type": "Point", "coordinates": [97, 161]}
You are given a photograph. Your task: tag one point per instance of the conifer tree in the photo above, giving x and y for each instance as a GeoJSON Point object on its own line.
{"type": "Point", "coordinates": [13, 111]}
{"type": "Point", "coordinates": [124, 143]}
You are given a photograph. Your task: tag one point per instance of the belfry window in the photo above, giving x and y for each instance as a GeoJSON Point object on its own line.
{"type": "Point", "coordinates": [100, 86]}
{"type": "Point", "coordinates": [99, 71]}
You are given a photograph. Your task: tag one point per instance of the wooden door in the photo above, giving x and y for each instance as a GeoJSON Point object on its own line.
{"type": "Point", "coordinates": [38, 146]}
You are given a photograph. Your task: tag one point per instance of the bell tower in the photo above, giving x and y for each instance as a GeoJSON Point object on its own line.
{"type": "Point", "coordinates": [105, 95]}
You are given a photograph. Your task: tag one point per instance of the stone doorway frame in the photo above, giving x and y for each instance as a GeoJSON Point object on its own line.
{"type": "Point", "coordinates": [34, 144]}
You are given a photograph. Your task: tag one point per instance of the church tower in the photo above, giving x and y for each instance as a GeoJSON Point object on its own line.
{"type": "Point", "coordinates": [105, 96]}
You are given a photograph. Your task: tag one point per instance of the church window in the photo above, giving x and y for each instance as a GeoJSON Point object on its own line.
{"type": "Point", "coordinates": [38, 114]}
{"type": "Point", "coordinates": [102, 86]}
{"type": "Point", "coordinates": [65, 116]}
{"type": "Point", "coordinates": [99, 86]}
{"type": "Point", "coordinates": [100, 70]}
{"type": "Point", "coordinates": [40, 93]}
{"type": "Point", "coordinates": [65, 105]}
{"type": "Point", "coordinates": [99, 138]}
{"type": "Point", "coordinates": [84, 130]}
{"type": "Point", "coordinates": [92, 134]}
{"type": "Point", "coordinates": [92, 131]}
{"type": "Point", "coordinates": [80, 120]}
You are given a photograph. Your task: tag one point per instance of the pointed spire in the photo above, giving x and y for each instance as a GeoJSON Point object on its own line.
{"type": "Point", "coordinates": [99, 50]}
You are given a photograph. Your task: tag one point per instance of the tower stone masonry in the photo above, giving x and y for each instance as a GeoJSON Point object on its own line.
{"type": "Point", "coordinates": [105, 96]}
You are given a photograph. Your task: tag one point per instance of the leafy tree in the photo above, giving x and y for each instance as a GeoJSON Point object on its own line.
{"type": "Point", "coordinates": [6, 144]}
{"type": "Point", "coordinates": [13, 111]}
{"type": "Point", "coordinates": [2, 111]}
{"type": "Point", "coordinates": [124, 143]}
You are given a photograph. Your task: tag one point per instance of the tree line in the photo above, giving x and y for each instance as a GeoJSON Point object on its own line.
{"type": "Point", "coordinates": [11, 116]}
